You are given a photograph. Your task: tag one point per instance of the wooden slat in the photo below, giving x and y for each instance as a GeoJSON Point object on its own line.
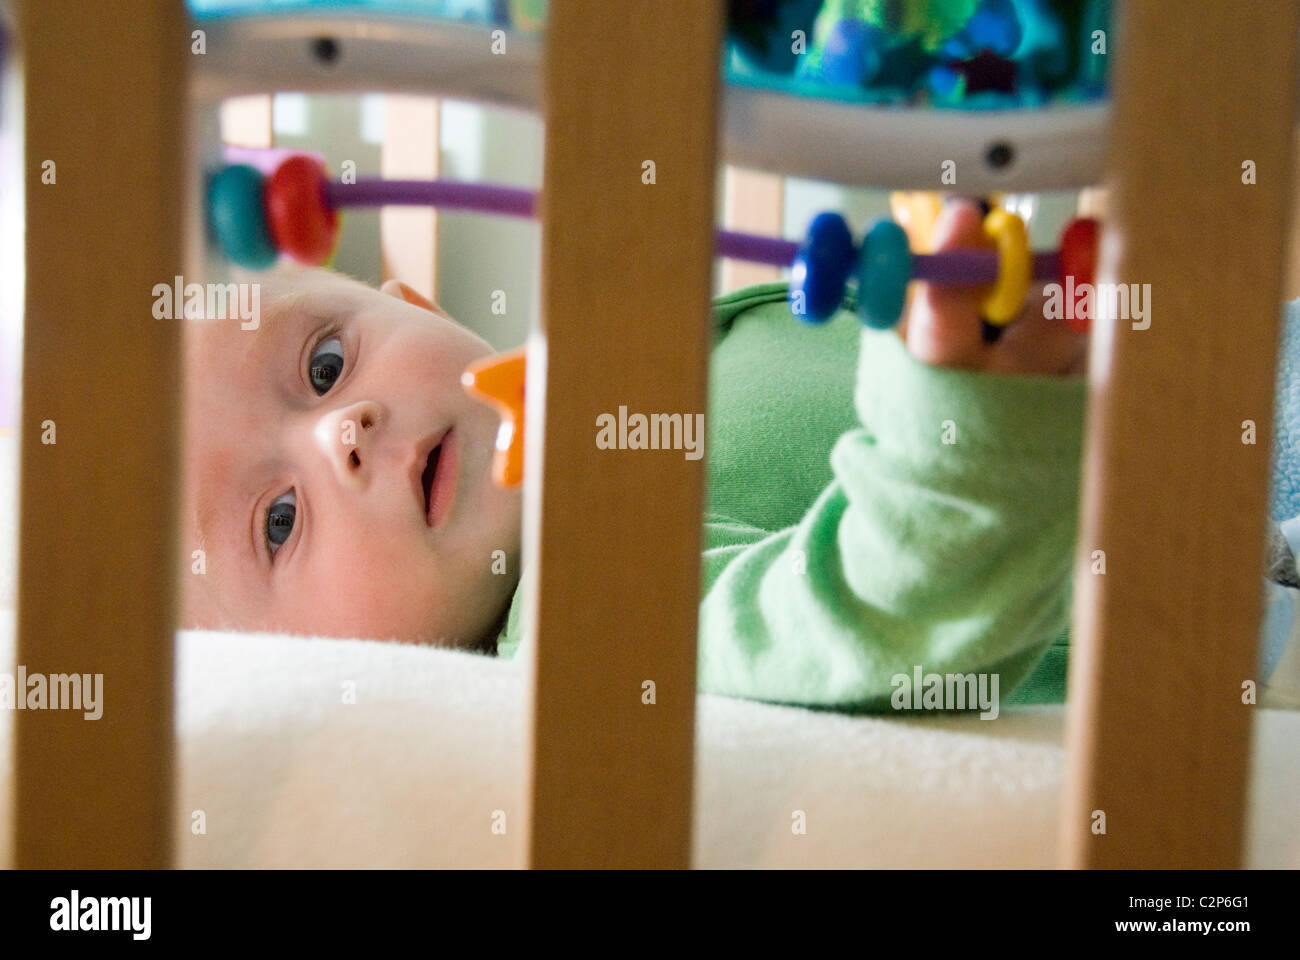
{"type": "Point", "coordinates": [104, 95]}
{"type": "Point", "coordinates": [1158, 734]}
{"type": "Point", "coordinates": [1291, 271]}
{"type": "Point", "coordinates": [616, 548]}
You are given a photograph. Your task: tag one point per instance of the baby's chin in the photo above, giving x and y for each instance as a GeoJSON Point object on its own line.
{"type": "Point", "coordinates": [201, 611]}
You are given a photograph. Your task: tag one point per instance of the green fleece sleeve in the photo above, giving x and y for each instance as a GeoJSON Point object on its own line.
{"type": "Point", "coordinates": [945, 541]}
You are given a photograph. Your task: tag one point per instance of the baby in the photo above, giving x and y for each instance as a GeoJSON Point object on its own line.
{"type": "Point", "coordinates": [338, 477]}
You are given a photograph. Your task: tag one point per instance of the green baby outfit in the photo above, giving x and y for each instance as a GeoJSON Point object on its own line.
{"type": "Point", "coordinates": [868, 515]}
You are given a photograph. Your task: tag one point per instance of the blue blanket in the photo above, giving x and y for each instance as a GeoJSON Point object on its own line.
{"type": "Point", "coordinates": [1284, 502]}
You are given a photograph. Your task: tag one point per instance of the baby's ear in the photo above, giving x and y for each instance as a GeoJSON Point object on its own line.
{"type": "Point", "coordinates": [402, 291]}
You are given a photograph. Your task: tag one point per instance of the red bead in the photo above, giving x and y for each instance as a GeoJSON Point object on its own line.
{"type": "Point", "coordinates": [301, 223]}
{"type": "Point", "coordinates": [1079, 260]}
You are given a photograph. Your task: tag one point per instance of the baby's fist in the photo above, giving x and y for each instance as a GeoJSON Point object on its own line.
{"type": "Point", "coordinates": [942, 324]}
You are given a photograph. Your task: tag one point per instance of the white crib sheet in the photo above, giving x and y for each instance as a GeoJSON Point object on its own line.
{"type": "Point", "coordinates": [289, 775]}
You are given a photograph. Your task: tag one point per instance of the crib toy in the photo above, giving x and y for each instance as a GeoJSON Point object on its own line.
{"type": "Point", "coordinates": [295, 211]}
{"type": "Point", "coordinates": [1158, 738]}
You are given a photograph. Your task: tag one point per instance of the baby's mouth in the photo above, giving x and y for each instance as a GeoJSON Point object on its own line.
{"type": "Point", "coordinates": [430, 471]}
{"type": "Point", "coordinates": [441, 470]}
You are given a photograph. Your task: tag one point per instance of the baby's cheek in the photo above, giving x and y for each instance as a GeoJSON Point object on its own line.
{"type": "Point", "coordinates": [429, 356]}
{"type": "Point", "coordinates": [381, 593]}
{"type": "Point", "coordinates": [448, 597]}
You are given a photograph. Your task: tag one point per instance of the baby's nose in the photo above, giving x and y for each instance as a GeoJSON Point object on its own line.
{"type": "Point", "coordinates": [347, 438]}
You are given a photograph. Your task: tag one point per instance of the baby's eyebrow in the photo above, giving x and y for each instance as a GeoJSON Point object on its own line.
{"type": "Point", "coordinates": [307, 305]}
{"type": "Point", "coordinates": [277, 326]}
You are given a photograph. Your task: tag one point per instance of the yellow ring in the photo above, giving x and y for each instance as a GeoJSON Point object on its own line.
{"type": "Point", "coordinates": [1015, 267]}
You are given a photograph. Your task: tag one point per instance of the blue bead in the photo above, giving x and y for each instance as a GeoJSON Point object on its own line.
{"type": "Point", "coordinates": [821, 269]}
{"type": "Point", "coordinates": [235, 214]}
{"type": "Point", "coordinates": [884, 270]}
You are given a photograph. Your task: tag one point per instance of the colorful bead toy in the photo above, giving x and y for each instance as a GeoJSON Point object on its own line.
{"type": "Point", "coordinates": [885, 265]}
{"type": "Point", "coordinates": [296, 211]}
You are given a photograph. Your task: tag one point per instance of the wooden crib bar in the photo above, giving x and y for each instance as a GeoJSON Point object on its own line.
{"type": "Point", "coordinates": [103, 102]}
{"type": "Point", "coordinates": [626, 267]}
{"type": "Point", "coordinates": [1158, 734]}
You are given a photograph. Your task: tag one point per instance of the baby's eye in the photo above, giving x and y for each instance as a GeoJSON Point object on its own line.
{"type": "Point", "coordinates": [326, 365]}
{"type": "Point", "coordinates": [279, 520]}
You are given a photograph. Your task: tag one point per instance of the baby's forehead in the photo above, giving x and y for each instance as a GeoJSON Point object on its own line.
{"type": "Point", "coordinates": [203, 337]}
{"type": "Point", "coordinates": [223, 364]}
{"type": "Point", "coordinates": [252, 339]}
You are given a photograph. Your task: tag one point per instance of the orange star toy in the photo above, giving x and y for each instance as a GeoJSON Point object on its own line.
{"type": "Point", "coordinates": [498, 381]}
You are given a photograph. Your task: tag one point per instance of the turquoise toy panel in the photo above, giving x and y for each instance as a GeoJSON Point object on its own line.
{"type": "Point", "coordinates": [964, 54]}
{"type": "Point", "coordinates": [956, 54]}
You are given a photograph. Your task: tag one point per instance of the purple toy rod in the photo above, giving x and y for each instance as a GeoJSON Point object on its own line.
{"type": "Point", "coordinates": [955, 268]}
{"type": "Point", "coordinates": [479, 197]}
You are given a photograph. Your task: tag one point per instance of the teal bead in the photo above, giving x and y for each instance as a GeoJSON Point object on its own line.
{"type": "Point", "coordinates": [884, 270]}
{"type": "Point", "coordinates": [235, 213]}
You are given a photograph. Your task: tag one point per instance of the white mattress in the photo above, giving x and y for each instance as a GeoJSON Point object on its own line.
{"type": "Point", "coordinates": [288, 775]}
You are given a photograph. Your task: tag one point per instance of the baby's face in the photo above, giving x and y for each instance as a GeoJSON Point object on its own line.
{"type": "Point", "coordinates": [308, 483]}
